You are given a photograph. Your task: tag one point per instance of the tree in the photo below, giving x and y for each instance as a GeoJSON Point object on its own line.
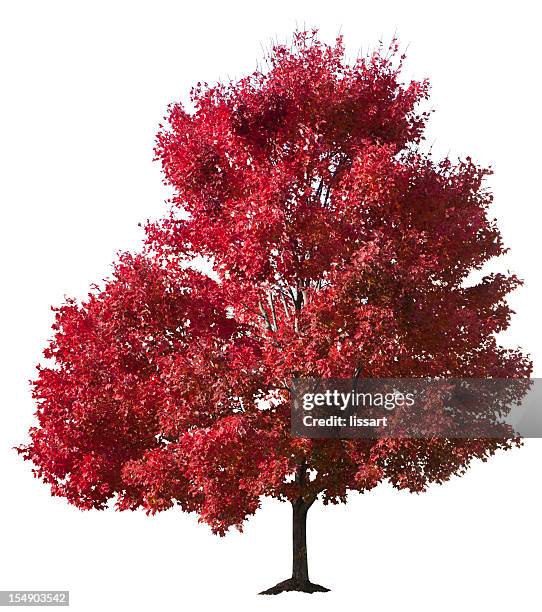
{"type": "Point", "coordinates": [338, 246]}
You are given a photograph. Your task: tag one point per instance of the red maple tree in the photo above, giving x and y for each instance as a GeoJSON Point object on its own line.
{"type": "Point", "coordinates": [337, 246]}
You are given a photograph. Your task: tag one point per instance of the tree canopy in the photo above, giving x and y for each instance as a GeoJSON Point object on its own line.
{"type": "Point", "coordinates": [338, 245]}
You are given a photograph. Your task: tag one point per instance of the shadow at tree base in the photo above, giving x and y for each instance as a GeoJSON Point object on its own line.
{"type": "Point", "coordinates": [292, 584]}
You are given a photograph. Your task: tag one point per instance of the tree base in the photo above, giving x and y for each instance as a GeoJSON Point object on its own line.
{"type": "Point", "coordinates": [302, 586]}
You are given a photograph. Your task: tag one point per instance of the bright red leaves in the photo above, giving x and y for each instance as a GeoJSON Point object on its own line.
{"type": "Point", "coordinates": [337, 245]}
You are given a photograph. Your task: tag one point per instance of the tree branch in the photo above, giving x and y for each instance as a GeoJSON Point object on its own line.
{"type": "Point", "coordinates": [273, 313]}
{"type": "Point", "coordinates": [265, 315]}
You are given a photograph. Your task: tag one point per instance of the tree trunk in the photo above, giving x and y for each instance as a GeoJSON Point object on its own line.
{"type": "Point", "coordinates": [300, 566]}
{"type": "Point", "coordinates": [300, 569]}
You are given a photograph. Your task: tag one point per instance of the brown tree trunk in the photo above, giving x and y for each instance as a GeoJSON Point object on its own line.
{"type": "Point", "coordinates": [300, 568]}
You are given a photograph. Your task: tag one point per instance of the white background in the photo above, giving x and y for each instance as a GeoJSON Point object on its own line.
{"type": "Point", "coordinates": [84, 86]}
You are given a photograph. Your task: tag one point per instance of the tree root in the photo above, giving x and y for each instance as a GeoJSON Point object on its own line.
{"type": "Point", "coordinates": [303, 586]}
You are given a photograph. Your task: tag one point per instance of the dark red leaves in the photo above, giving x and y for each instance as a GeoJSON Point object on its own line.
{"type": "Point", "coordinates": [336, 244]}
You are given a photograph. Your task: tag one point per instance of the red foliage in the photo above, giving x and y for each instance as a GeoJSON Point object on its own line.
{"type": "Point", "coordinates": [336, 244]}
